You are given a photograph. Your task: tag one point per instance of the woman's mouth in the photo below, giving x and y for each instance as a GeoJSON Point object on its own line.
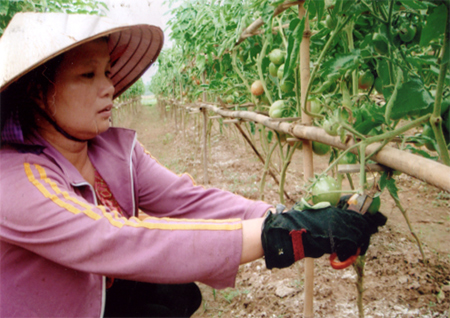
{"type": "Point", "coordinates": [106, 111]}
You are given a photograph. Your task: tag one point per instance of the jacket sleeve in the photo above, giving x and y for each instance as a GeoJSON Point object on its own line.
{"type": "Point", "coordinates": [43, 214]}
{"type": "Point", "coordinates": [163, 193]}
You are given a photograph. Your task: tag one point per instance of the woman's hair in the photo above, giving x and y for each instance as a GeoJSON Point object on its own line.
{"type": "Point", "coordinates": [19, 98]}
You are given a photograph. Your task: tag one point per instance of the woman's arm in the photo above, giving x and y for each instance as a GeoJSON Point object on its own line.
{"type": "Point", "coordinates": [251, 240]}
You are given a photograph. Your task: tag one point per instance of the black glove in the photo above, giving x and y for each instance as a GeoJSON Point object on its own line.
{"type": "Point", "coordinates": [290, 236]}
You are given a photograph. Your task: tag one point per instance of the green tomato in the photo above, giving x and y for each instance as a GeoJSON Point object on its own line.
{"type": "Point", "coordinates": [428, 132]}
{"type": "Point", "coordinates": [330, 22]}
{"type": "Point", "coordinates": [330, 126]}
{"type": "Point", "coordinates": [276, 113]}
{"type": "Point", "coordinates": [379, 44]}
{"type": "Point", "coordinates": [230, 99]}
{"type": "Point", "coordinates": [276, 110]}
{"type": "Point", "coordinates": [316, 108]}
{"type": "Point", "coordinates": [319, 148]}
{"type": "Point", "coordinates": [280, 72]}
{"type": "Point", "coordinates": [273, 69]}
{"type": "Point", "coordinates": [342, 113]}
{"type": "Point", "coordinates": [374, 206]}
{"type": "Point", "coordinates": [278, 104]}
{"type": "Point", "coordinates": [276, 56]}
{"type": "Point", "coordinates": [348, 159]}
{"type": "Point", "coordinates": [407, 32]}
{"type": "Point", "coordinates": [321, 191]}
{"type": "Point", "coordinates": [365, 80]}
{"type": "Point", "coordinates": [446, 122]}
{"type": "Point", "coordinates": [287, 86]}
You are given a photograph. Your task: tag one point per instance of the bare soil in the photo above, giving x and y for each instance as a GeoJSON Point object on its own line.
{"type": "Point", "coordinates": [397, 282]}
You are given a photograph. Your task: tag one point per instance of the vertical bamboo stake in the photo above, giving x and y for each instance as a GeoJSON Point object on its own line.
{"type": "Point", "coordinates": [308, 169]}
{"type": "Point", "coordinates": [205, 135]}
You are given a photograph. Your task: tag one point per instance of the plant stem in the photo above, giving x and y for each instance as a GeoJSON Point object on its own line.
{"type": "Point", "coordinates": [284, 169]}
{"type": "Point", "coordinates": [389, 34]}
{"type": "Point", "coordinates": [238, 71]}
{"type": "Point", "coordinates": [259, 66]}
{"type": "Point", "coordinates": [436, 119]}
{"type": "Point", "coordinates": [335, 32]}
{"type": "Point", "coordinates": [362, 170]}
{"type": "Point", "coordinates": [391, 134]}
{"type": "Point", "coordinates": [393, 97]}
{"type": "Point", "coordinates": [405, 215]}
{"type": "Point", "coordinates": [359, 269]}
{"type": "Point", "coordinates": [262, 184]}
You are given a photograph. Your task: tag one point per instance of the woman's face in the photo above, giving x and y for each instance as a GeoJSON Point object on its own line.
{"type": "Point", "coordinates": [80, 99]}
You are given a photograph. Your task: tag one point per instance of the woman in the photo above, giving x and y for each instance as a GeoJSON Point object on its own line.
{"type": "Point", "coordinates": [72, 187]}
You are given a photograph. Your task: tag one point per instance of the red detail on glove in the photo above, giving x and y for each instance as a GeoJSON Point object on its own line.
{"type": "Point", "coordinates": [297, 243]}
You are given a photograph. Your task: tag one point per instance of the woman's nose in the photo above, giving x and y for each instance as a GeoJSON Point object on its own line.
{"type": "Point", "coordinates": [107, 87]}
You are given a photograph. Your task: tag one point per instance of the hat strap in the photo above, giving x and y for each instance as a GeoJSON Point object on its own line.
{"type": "Point", "coordinates": [59, 129]}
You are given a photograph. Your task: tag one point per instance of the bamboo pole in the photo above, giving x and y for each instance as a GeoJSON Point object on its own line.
{"type": "Point", "coordinates": [427, 170]}
{"type": "Point", "coordinates": [308, 166]}
{"type": "Point", "coordinates": [255, 25]}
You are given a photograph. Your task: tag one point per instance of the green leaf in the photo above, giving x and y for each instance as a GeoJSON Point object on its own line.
{"type": "Point", "coordinates": [389, 183]}
{"type": "Point", "coordinates": [4, 6]}
{"type": "Point", "coordinates": [342, 63]}
{"type": "Point", "coordinates": [423, 153]}
{"type": "Point", "coordinates": [269, 136]}
{"type": "Point", "coordinates": [200, 62]}
{"type": "Point", "coordinates": [414, 4]}
{"type": "Point", "coordinates": [435, 25]}
{"type": "Point", "coordinates": [411, 98]}
{"type": "Point", "coordinates": [252, 128]}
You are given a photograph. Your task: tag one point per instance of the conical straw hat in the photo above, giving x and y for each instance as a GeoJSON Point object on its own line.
{"type": "Point", "coordinates": [31, 39]}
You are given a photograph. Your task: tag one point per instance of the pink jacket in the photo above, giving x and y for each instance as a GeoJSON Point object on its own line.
{"type": "Point", "coordinates": [57, 244]}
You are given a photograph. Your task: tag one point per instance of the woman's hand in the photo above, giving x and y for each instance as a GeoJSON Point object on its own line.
{"type": "Point", "coordinates": [290, 236]}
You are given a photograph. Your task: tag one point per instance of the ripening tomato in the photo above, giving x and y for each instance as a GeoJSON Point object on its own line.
{"type": "Point", "coordinates": [257, 88]}
{"type": "Point", "coordinates": [365, 80]}
{"type": "Point", "coordinates": [379, 44]}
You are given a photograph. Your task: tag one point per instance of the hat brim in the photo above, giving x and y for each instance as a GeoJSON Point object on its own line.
{"type": "Point", "coordinates": [133, 48]}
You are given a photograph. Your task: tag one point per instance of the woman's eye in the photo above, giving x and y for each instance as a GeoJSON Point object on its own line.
{"type": "Point", "coordinates": [88, 75]}
{"type": "Point", "coordinates": [108, 74]}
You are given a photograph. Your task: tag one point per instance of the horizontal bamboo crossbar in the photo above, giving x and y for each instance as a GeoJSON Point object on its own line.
{"type": "Point", "coordinates": [427, 170]}
{"type": "Point", "coordinates": [371, 167]}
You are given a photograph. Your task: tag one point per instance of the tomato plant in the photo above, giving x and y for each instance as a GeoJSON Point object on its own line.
{"type": "Point", "coordinates": [398, 47]}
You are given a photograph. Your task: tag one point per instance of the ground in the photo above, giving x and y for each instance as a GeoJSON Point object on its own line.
{"type": "Point", "coordinates": [397, 282]}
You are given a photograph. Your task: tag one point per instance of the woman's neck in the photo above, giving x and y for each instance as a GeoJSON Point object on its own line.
{"type": "Point", "coordinates": [74, 151]}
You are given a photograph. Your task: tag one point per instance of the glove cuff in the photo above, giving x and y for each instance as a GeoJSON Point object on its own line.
{"type": "Point", "coordinates": [297, 243]}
